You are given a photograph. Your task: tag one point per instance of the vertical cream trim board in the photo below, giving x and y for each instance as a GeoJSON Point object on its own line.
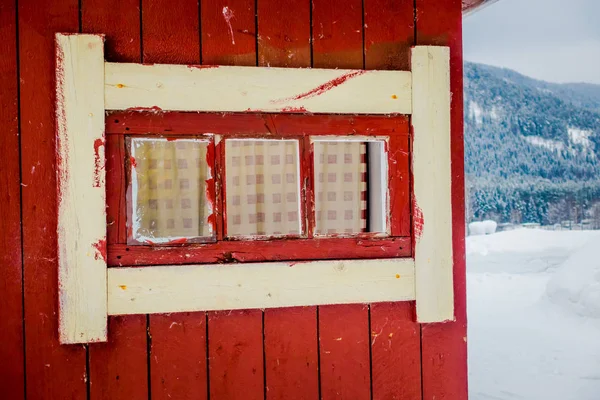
{"type": "Point", "coordinates": [432, 211]}
{"type": "Point", "coordinates": [81, 188]}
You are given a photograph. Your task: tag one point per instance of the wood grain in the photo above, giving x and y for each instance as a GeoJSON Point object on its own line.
{"type": "Point", "coordinates": [432, 212]}
{"type": "Point", "coordinates": [236, 355]}
{"type": "Point", "coordinates": [247, 89]}
{"type": "Point", "coordinates": [344, 346]}
{"type": "Point", "coordinates": [256, 251]}
{"type": "Point", "coordinates": [81, 188]}
{"type": "Point", "coordinates": [11, 283]}
{"type": "Point", "coordinates": [395, 351]}
{"type": "Point", "coordinates": [53, 371]}
{"type": "Point", "coordinates": [164, 289]}
{"type": "Point", "coordinates": [444, 346]}
{"type": "Point", "coordinates": [118, 368]}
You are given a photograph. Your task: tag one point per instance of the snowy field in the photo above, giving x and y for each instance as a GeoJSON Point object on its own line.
{"type": "Point", "coordinates": [534, 315]}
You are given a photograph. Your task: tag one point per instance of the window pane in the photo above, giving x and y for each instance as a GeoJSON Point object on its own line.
{"type": "Point", "coordinates": [350, 192]}
{"type": "Point", "coordinates": [168, 190]}
{"type": "Point", "coordinates": [262, 187]}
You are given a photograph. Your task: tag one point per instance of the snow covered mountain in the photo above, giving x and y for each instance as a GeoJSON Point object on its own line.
{"type": "Point", "coordinates": [529, 144]}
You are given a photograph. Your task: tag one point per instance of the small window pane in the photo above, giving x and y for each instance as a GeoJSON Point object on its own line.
{"type": "Point", "coordinates": [262, 187]}
{"type": "Point", "coordinates": [350, 187]}
{"type": "Point", "coordinates": [168, 190]}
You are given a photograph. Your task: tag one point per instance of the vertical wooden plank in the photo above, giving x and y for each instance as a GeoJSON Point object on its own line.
{"type": "Point", "coordinates": [343, 330]}
{"type": "Point", "coordinates": [236, 355]}
{"type": "Point", "coordinates": [344, 345]}
{"type": "Point", "coordinates": [119, 21]}
{"type": "Point", "coordinates": [11, 267]}
{"type": "Point", "coordinates": [118, 369]}
{"type": "Point", "coordinates": [389, 34]}
{"type": "Point", "coordinates": [283, 33]}
{"type": "Point", "coordinates": [291, 354]}
{"type": "Point", "coordinates": [52, 370]}
{"type": "Point", "coordinates": [178, 341]}
{"type": "Point", "coordinates": [432, 213]}
{"type": "Point", "coordinates": [337, 34]}
{"type": "Point", "coordinates": [171, 32]}
{"type": "Point", "coordinates": [228, 32]}
{"type": "Point", "coordinates": [81, 188]}
{"type": "Point", "coordinates": [444, 347]}
{"type": "Point", "coordinates": [235, 338]}
{"type": "Point", "coordinates": [395, 351]}
{"type": "Point", "coordinates": [178, 356]}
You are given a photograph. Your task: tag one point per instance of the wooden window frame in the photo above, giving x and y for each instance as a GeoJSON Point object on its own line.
{"type": "Point", "coordinates": [304, 128]}
{"type": "Point", "coordinates": [87, 87]}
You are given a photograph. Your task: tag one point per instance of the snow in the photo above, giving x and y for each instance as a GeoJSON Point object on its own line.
{"type": "Point", "coordinates": [482, 227]}
{"type": "Point", "coordinates": [580, 137]}
{"type": "Point", "coordinates": [476, 112]}
{"type": "Point", "coordinates": [534, 328]}
{"type": "Point", "coordinates": [553, 145]}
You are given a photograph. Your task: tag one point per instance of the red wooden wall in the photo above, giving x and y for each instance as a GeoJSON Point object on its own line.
{"type": "Point", "coordinates": [330, 352]}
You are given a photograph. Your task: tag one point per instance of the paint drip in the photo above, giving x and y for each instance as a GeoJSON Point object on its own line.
{"type": "Point", "coordinates": [228, 15]}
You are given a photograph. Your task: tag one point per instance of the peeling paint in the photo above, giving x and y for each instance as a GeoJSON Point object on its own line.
{"type": "Point", "coordinates": [100, 247]}
{"type": "Point", "coordinates": [198, 66]}
{"type": "Point", "coordinates": [417, 220]}
{"type": "Point", "coordinates": [152, 109]}
{"type": "Point", "coordinates": [98, 163]}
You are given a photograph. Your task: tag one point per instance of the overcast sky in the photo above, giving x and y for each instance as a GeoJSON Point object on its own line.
{"type": "Point", "coordinates": [553, 40]}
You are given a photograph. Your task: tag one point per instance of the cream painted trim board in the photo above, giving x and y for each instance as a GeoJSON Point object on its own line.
{"type": "Point", "coordinates": [432, 208]}
{"type": "Point", "coordinates": [81, 188]}
{"type": "Point", "coordinates": [241, 89]}
{"type": "Point", "coordinates": [168, 289]}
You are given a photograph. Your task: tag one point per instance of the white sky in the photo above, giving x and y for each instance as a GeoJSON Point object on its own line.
{"type": "Point", "coordinates": [553, 40]}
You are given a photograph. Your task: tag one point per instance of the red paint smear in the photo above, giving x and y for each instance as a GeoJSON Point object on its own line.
{"type": "Point", "coordinates": [153, 108]}
{"type": "Point", "coordinates": [169, 243]}
{"type": "Point", "coordinates": [418, 220]}
{"type": "Point", "coordinates": [171, 138]}
{"type": "Point", "coordinates": [132, 162]}
{"type": "Point", "coordinates": [98, 162]}
{"type": "Point", "coordinates": [294, 109]}
{"type": "Point", "coordinates": [196, 66]}
{"type": "Point", "coordinates": [327, 86]}
{"type": "Point", "coordinates": [210, 192]}
{"type": "Point", "coordinates": [100, 247]}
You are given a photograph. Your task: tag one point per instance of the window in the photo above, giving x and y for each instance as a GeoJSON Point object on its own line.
{"type": "Point", "coordinates": [257, 187]}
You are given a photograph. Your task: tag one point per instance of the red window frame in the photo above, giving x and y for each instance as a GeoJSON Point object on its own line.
{"type": "Point", "coordinates": [302, 127]}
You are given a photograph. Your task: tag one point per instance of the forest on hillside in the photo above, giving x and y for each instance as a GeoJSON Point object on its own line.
{"type": "Point", "coordinates": [532, 148]}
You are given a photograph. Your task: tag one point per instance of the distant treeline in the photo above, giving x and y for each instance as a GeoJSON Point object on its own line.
{"type": "Point", "coordinates": [532, 200]}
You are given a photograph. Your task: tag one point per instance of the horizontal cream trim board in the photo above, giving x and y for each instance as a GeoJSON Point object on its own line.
{"type": "Point", "coordinates": [165, 289]}
{"type": "Point", "coordinates": [240, 89]}
{"type": "Point", "coordinates": [432, 209]}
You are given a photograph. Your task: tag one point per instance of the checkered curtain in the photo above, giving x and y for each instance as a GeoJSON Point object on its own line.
{"type": "Point", "coordinates": [169, 189]}
{"type": "Point", "coordinates": [341, 187]}
{"type": "Point", "coordinates": [262, 187]}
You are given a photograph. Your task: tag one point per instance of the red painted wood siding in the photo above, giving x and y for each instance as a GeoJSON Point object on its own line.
{"type": "Point", "coordinates": [351, 352]}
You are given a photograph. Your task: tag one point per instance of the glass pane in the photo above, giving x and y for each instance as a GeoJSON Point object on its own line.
{"type": "Point", "coordinates": [168, 190]}
{"type": "Point", "coordinates": [350, 187]}
{"type": "Point", "coordinates": [262, 187]}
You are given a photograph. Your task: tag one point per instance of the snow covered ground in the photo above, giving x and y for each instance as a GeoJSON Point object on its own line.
{"type": "Point", "coordinates": [534, 315]}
